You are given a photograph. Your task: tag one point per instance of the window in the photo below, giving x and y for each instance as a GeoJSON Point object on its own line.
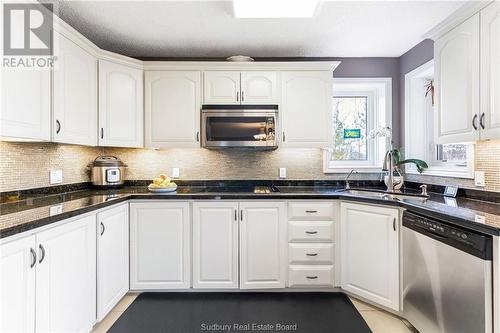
{"type": "Point", "coordinates": [451, 160]}
{"type": "Point", "coordinates": [359, 106]}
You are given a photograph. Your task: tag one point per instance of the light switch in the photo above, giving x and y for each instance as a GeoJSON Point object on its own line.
{"type": "Point", "coordinates": [282, 172]}
{"type": "Point", "coordinates": [175, 172]}
{"type": "Point", "coordinates": [56, 177]}
{"type": "Point", "coordinates": [479, 178]}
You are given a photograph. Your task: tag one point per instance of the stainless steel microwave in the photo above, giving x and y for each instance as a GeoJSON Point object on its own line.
{"type": "Point", "coordinates": [239, 126]}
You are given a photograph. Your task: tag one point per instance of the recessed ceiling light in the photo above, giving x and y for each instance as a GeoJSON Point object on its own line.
{"type": "Point", "coordinates": [274, 8]}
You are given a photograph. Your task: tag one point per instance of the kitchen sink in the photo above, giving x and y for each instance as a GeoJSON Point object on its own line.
{"type": "Point", "coordinates": [384, 195]}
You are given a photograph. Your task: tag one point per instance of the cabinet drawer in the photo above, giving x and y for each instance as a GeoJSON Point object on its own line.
{"type": "Point", "coordinates": [310, 231]}
{"type": "Point", "coordinates": [310, 253]}
{"type": "Point", "coordinates": [311, 211]}
{"type": "Point", "coordinates": [310, 276]}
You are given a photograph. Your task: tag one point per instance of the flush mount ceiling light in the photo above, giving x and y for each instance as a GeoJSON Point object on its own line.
{"type": "Point", "coordinates": [274, 8]}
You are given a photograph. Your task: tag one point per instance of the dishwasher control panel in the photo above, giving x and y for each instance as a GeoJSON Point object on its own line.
{"type": "Point", "coordinates": [469, 241]}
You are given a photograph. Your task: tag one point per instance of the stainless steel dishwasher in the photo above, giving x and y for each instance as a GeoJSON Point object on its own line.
{"type": "Point", "coordinates": [447, 277]}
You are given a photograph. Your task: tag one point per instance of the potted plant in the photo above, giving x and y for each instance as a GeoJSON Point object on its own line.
{"type": "Point", "coordinates": [397, 175]}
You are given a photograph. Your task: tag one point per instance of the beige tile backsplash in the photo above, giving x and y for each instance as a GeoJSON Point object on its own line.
{"type": "Point", "coordinates": [27, 165]}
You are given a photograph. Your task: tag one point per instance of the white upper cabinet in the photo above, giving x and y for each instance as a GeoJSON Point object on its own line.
{"type": "Point", "coordinates": [221, 87]}
{"type": "Point", "coordinates": [259, 87]}
{"type": "Point", "coordinates": [121, 111]}
{"type": "Point", "coordinates": [369, 249]}
{"type": "Point", "coordinates": [456, 58]}
{"type": "Point", "coordinates": [160, 241]}
{"type": "Point", "coordinates": [215, 245]}
{"type": "Point", "coordinates": [25, 104]}
{"type": "Point", "coordinates": [234, 87]}
{"type": "Point", "coordinates": [306, 108]}
{"type": "Point", "coordinates": [490, 72]}
{"type": "Point", "coordinates": [17, 285]}
{"type": "Point", "coordinates": [262, 245]}
{"type": "Point", "coordinates": [112, 258]}
{"type": "Point", "coordinates": [66, 277]}
{"type": "Point", "coordinates": [173, 103]}
{"type": "Point", "coordinates": [74, 93]}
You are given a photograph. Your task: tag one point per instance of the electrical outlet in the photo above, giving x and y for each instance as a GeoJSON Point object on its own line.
{"type": "Point", "coordinates": [56, 177]}
{"type": "Point", "coordinates": [175, 172]}
{"type": "Point", "coordinates": [282, 172]}
{"type": "Point", "coordinates": [479, 178]}
{"type": "Point", "coordinates": [55, 210]}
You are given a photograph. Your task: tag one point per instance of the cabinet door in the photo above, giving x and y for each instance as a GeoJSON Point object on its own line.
{"type": "Point", "coordinates": [66, 277]}
{"type": "Point", "coordinates": [173, 103]}
{"type": "Point", "coordinates": [121, 110]}
{"type": "Point", "coordinates": [456, 59]}
{"type": "Point", "coordinates": [221, 87]}
{"type": "Point", "coordinates": [259, 88]}
{"type": "Point", "coordinates": [215, 245]}
{"type": "Point", "coordinates": [369, 249]}
{"type": "Point", "coordinates": [490, 71]}
{"type": "Point", "coordinates": [25, 104]}
{"type": "Point", "coordinates": [160, 245]}
{"type": "Point", "coordinates": [17, 281]}
{"type": "Point", "coordinates": [74, 93]}
{"type": "Point", "coordinates": [306, 108]}
{"type": "Point", "coordinates": [112, 258]}
{"type": "Point", "coordinates": [262, 245]}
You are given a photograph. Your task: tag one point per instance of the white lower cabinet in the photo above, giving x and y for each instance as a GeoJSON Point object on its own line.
{"type": "Point", "coordinates": [112, 258]}
{"type": "Point", "coordinates": [66, 277]}
{"type": "Point", "coordinates": [160, 235]}
{"type": "Point", "coordinates": [215, 244]}
{"type": "Point", "coordinates": [17, 285]}
{"type": "Point", "coordinates": [262, 245]}
{"type": "Point", "coordinates": [369, 246]}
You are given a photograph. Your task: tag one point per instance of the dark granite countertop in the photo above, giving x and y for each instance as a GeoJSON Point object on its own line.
{"type": "Point", "coordinates": [39, 210]}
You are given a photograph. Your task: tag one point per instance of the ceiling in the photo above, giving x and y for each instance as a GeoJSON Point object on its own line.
{"type": "Point", "coordinates": [208, 28]}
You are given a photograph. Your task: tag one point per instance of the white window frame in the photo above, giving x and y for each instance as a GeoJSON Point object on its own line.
{"type": "Point", "coordinates": [379, 114]}
{"type": "Point", "coordinates": [436, 168]}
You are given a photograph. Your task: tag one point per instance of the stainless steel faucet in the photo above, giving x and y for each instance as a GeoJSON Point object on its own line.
{"type": "Point", "coordinates": [347, 186]}
{"type": "Point", "coordinates": [389, 167]}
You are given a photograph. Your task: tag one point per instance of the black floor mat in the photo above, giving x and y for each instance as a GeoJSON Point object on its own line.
{"type": "Point", "coordinates": [241, 312]}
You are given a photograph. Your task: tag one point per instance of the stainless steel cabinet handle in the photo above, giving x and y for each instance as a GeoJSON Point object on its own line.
{"type": "Point", "coordinates": [102, 133]}
{"type": "Point", "coordinates": [311, 211]}
{"type": "Point", "coordinates": [242, 96]}
{"type": "Point", "coordinates": [311, 254]}
{"type": "Point", "coordinates": [474, 122]}
{"type": "Point", "coordinates": [103, 228]}
{"type": "Point", "coordinates": [481, 119]}
{"type": "Point", "coordinates": [237, 96]}
{"type": "Point", "coordinates": [311, 232]}
{"type": "Point", "coordinates": [235, 215]}
{"type": "Point", "coordinates": [58, 128]}
{"type": "Point", "coordinates": [241, 215]}
{"type": "Point", "coordinates": [33, 257]}
{"type": "Point", "coordinates": [394, 224]}
{"type": "Point", "coordinates": [312, 277]}
{"type": "Point", "coordinates": [42, 253]}
{"type": "Point", "coordinates": [283, 136]}
{"type": "Point", "coordinates": [197, 136]}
